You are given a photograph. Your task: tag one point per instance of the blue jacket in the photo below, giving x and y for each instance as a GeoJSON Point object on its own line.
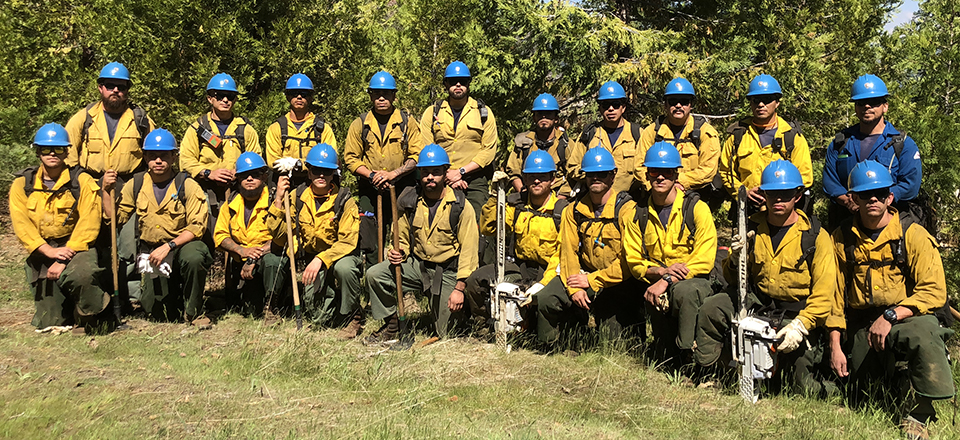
{"type": "Point", "coordinates": [906, 170]}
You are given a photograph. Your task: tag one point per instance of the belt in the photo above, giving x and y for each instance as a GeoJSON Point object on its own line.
{"type": "Point", "coordinates": [433, 286]}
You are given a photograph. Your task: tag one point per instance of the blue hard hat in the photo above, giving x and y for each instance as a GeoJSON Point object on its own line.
{"type": "Point", "coordinates": [598, 159]}
{"type": "Point", "coordinates": [662, 155]}
{"type": "Point", "coordinates": [222, 81]}
{"type": "Point", "coordinates": [432, 155]}
{"type": "Point", "coordinates": [51, 135]}
{"type": "Point", "coordinates": [457, 69]}
{"type": "Point", "coordinates": [539, 162]}
{"type": "Point", "coordinates": [114, 70]}
{"type": "Point", "coordinates": [868, 175]}
{"type": "Point", "coordinates": [611, 90]}
{"type": "Point", "coordinates": [780, 175]}
{"type": "Point", "coordinates": [322, 156]}
{"type": "Point", "coordinates": [159, 140]}
{"type": "Point", "coordinates": [764, 84]}
{"type": "Point", "coordinates": [249, 161]}
{"type": "Point", "coordinates": [383, 80]}
{"type": "Point", "coordinates": [679, 86]}
{"type": "Point", "coordinates": [545, 103]}
{"type": "Point", "coordinates": [866, 87]}
{"type": "Point", "coordinates": [297, 81]}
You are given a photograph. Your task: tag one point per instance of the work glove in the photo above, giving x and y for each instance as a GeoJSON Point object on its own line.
{"type": "Point", "coordinates": [498, 176]}
{"type": "Point", "coordinates": [663, 302]}
{"type": "Point", "coordinates": [792, 335]}
{"type": "Point", "coordinates": [523, 141]}
{"type": "Point", "coordinates": [739, 243]}
{"type": "Point", "coordinates": [286, 164]}
{"type": "Point", "coordinates": [530, 293]}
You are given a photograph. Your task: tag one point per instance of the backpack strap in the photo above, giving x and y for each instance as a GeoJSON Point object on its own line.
{"type": "Point", "coordinates": [897, 141]}
{"type": "Point", "coordinates": [698, 122]}
{"type": "Point", "coordinates": [785, 146]}
{"type": "Point", "coordinates": [839, 141]}
{"type": "Point", "coordinates": [343, 195]}
{"type": "Point", "coordinates": [657, 123]}
{"type": "Point", "coordinates": [588, 133]}
{"type": "Point", "coordinates": [558, 208]}
{"type": "Point", "coordinates": [284, 133]}
{"type": "Point", "coordinates": [686, 209]}
{"type": "Point", "coordinates": [404, 123]}
{"type": "Point", "coordinates": [29, 178]}
{"type": "Point", "coordinates": [635, 130]}
{"type": "Point", "coordinates": [85, 130]}
{"type": "Point", "coordinates": [436, 113]}
{"type": "Point", "coordinates": [737, 130]}
{"type": "Point", "coordinates": [484, 113]}
{"type": "Point", "coordinates": [808, 242]}
{"type": "Point", "coordinates": [141, 121]}
{"type": "Point", "coordinates": [562, 150]}
{"type": "Point", "coordinates": [365, 131]}
{"type": "Point", "coordinates": [456, 210]}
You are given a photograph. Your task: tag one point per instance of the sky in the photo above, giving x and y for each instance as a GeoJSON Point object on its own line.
{"type": "Point", "coordinates": [903, 15]}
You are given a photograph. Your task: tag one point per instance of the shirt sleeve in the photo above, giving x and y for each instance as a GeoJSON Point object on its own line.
{"type": "Point", "coordinates": [274, 146]}
{"type": "Point", "coordinates": [221, 231]}
{"type": "Point", "coordinates": [836, 320]}
{"type": "Point", "coordinates": [89, 214]}
{"type": "Point", "coordinates": [196, 208]}
{"type": "Point", "coordinates": [488, 143]}
{"type": "Point", "coordinates": [832, 185]}
{"type": "Point", "coordinates": [705, 242]}
{"type": "Point", "coordinates": [823, 275]}
{"type": "Point", "coordinates": [801, 159]}
{"type": "Point", "coordinates": [468, 237]}
{"type": "Point", "coordinates": [353, 147]}
{"type": "Point", "coordinates": [190, 153]}
{"type": "Point", "coordinates": [709, 156]}
{"type": "Point", "coordinates": [26, 230]}
{"type": "Point", "coordinates": [348, 233]}
{"type": "Point", "coordinates": [731, 181]}
{"type": "Point", "coordinates": [926, 269]}
{"type": "Point", "coordinates": [909, 173]}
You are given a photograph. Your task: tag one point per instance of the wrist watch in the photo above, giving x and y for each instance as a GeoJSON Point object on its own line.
{"type": "Point", "coordinates": [372, 174]}
{"type": "Point", "coordinates": [172, 244]}
{"type": "Point", "coordinates": [891, 315]}
{"type": "Point", "coordinates": [463, 171]}
{"type": "Point", "coordinates": [668, 278]}
{"type": "Point", "coordinates": [206, 174]}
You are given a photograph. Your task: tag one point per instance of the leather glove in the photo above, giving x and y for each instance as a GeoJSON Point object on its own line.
{"type": "Point", "coordinates": [523, 141]}
{"type": "Point", "coordinates": [530, 293]}
{"type": "Point", "coordinates": [498, 176]}
{"type": "Point", "coordinates": [792, 334]}
{"type": "Point", "coordinates": [663, 302]}
{"type": "Point", "coordinates": [286, 164]}
{"type": "Point", "coordinates": [739, 243]}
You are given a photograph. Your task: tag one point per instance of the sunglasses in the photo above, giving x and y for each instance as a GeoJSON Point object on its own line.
{"type": "Point", "coordinates": [780, 194]}
{"type": "Point", "coordinates": [682, 101]}
{"type": "Point", "coordinates": [616, 103]}
{"type": "Point", "coordinates": [256, 174]}
{"type": "Point", "coordinates": [872, 102]}
{"type": "Point", "coordinates": [376, 93]}
{"type": "Point", "coordinates": [879, 194]}
{"type": "Point", "coordinates": [301, 93]}
{"type": "Point", "coordinates": [665, 172]}
{"type": "Point", "coordinates": [450, 82]}
{"type": "Point", "coordinates": [220, 95]}
{"type": "Point", "coordinates": [123, 87]}
{"type": "Point", "coordinates": [433, 171]}
{"type": "Point", "coordinates": [542, 177]}
{"type": "Point", "coordinates": [599, 174]}
{"type": "Point", "coordinates": [763, 99]}
{"type": "Point", "coordinates": [317, 171]}
{"type": "Point", "coordinates": [43, 151]}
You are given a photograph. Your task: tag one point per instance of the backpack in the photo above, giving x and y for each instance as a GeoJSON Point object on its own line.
{"type": "Point", "coordinates": [591, 130]}
{"type": "Point", "coordinates": [205, 134]}
{"type": "Point", "coordinates": [30, 176]}
{"type": "Point", "coordinates": [480, 106]}
{"type": "Point", "coordinates": [140, 120]}
{"type": "Point", "coordinates": [562, 143]}
{"type": "Point", "coordinates": [178, 183]}
{"type": "Point", "coordinates": [407, 202]}
{"type": "Point", "coordinates": [783, 146]}
{"type": "Point", "coordinates": [622, 198]}
{"type": "Point", "coordinates": [808, 240]}
{"type": "Point", "coordinates": [694, 138]}
{"type": "Point", "coordinates": [642, 215]}
{"type": "Point", "coordinates": [314, 132]}
{"type": "Point", "coordinates": [403, 128]}
{"type": "Point", "coordinates": [899, 260]}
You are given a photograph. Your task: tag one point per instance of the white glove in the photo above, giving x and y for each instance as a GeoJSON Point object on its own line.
{"type": "Point", "coordinates": [165, 269]}
{"type": "Point", "coordinates": [530, 293]}
{"type": "Point", "coordinates": [792, 334]}
{"type": "Point", "coordinates": [143, 264]}
{"type": "Point", "coordinates": [498, 176]}
{"type": "Point", "coordinates": [286, 164]}
{"type": "Point", "coordinates": [523, 141]}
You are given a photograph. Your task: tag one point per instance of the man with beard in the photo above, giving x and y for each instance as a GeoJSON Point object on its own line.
{"type": "Point", "coordinates": [670, 243]}
{"type": "Point", "coordinates": [892, 289]}
{"type": "Point", "coordinates": [326, 232]}
{"type": "Point", "coordinates": [171, 218]}
{"type": "Point", "coordinates": [613, 133]}
{"type": "Point", "coordinates": [381, 150]}
{"type": "Point", "coordinates": [873, 138]}
{"type": "Point", "coordinates": [693, 136]}
{"type": "Point", "coordinates": [436, 253]}
{"type": "Point", "coordinates": [55, 213]}
{"type": "Point", "coordinates": [593, 277]}
{"type": "Point", "coordinates": [466, 129]}
{"type": "Point", "coordinates": [212, 144]}
{"type": "Point", "coordinates": [108, 135]}
{"type": "Point", "coordinates": [547, 135]}
{"type": "Point", "coordinates": [754, 143]}
{"type": "Point", "coordinates": [532, 219]}
{"type": "Point", "coordinates": [792, 273]}
{"type": "Point", "coordinates": [242, 231]}
{"type": "Point", "coordinates": [295, 133]}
